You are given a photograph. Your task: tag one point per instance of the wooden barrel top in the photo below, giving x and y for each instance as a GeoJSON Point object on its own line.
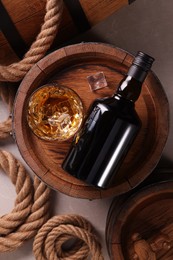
{"type": "Point", "coordinates": [70, 66]}
{"type": "Point", "coordinates": [149, 213]}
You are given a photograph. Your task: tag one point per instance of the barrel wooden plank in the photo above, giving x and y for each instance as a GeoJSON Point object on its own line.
{"type": "Point", "coordinates": [70, 66]}
{"type": "Point", "coordinates": [27, 16]}
{"type": "Point", "coordinates": [97, 10]}
{"type": "Point", "coordinates": [23, 9]}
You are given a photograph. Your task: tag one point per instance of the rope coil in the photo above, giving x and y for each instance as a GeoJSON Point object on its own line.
{"type": "Point", "coordinates": [31, 208]}
{"type": "Point", "coordinates": [16, 71]}
{"type": "Point", "coordinates": [50, 239]}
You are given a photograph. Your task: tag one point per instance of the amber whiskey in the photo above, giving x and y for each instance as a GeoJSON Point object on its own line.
{"type": "Point", "coordinates": [55, 112]}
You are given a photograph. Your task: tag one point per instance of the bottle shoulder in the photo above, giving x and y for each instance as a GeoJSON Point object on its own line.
{"type": "Point", "coordinates": [117, 106]}
{"type": "Point", "coordinates": [114, 102]}
{"type": "Point", "coordinates": [129, 88]}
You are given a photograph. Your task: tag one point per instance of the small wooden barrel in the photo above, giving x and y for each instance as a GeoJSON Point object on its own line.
{"type": "Point", "coordinates": [140, 226]}
{"type": "Point", "coordinates": [70, 66]}
{"type": "Point", "coordinates": [21, 22]}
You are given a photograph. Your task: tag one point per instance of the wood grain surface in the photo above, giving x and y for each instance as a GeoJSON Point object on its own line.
{"type": "Point", "coordinates": [28, 17]}
{"type": "Point", "coordinates": [149, 214]}
{"type": "Point", "coordinates": [70, 67]}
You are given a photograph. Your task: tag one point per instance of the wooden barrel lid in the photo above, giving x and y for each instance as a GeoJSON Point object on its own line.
{"type": "Point", "coordinates": [142, 224]}
{"type": "Point", "coordinates": [70, 66]}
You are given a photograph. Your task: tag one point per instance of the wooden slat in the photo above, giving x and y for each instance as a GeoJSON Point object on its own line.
{"type": "Point", "coordinates": [28, 17]}
{"type": "Point", "coordinates": [98, 10]}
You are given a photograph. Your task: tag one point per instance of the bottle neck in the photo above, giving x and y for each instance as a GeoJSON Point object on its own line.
{"type": "Point", "coordinates": [130, 86]}
{"type": "Point", "coordinates": [137, 73]}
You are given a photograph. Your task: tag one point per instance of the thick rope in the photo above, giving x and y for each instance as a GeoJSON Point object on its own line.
{"type": "Point", "coordinates": [49, 243]}
{"type": "Point", "coordinates": [5, 128]}
{"type": "Point", "coordinates": [31, 208]}
{"type": "Point", "coordinates": [7, 94]}
{"type": "Point", "coordinates": [16, 71]}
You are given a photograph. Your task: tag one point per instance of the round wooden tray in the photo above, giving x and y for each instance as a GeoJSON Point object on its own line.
{"type": "Point", "coordinates": [148, 213]}
{"type": "Point", "coordinates": [70, 66]}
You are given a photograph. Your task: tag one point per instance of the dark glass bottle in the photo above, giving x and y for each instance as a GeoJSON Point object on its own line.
{"type": "Point", "coordinates": [109, 130]}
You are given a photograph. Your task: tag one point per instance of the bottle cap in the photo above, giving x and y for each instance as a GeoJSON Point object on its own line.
{"type": "Point", "coordinates": [143, 60]}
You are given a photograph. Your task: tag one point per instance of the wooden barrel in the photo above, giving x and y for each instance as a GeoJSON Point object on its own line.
{"type": "Point", "coordinates": [140, 225]}
{"type": "Point", "coordinates": [70, 66]}
{"type": "Point", "coordinates": [21, 22]}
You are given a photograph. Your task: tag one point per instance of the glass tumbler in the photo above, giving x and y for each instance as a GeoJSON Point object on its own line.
{"type": "Point", "coordinates": [55, 112]}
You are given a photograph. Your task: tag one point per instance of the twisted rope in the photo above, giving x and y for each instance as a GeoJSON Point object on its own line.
{"type": "Point", "coordinates": [7, 93]}
{"type": "Point", "coordinates": [31, 208]}
{"type": "Point", "coordinates": [5, 128]}
{"type": "Point", "coordinates": [49, 243]}
{"type": "Point", "coordinates": [16, 71]}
